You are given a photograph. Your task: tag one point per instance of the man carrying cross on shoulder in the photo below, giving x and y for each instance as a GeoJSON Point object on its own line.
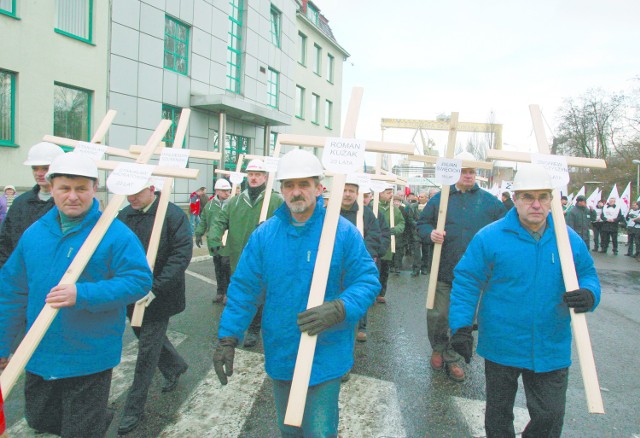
{"type": "Point", "coordinates": [276, 268]}
{"type": "Point", "coordinates": [173, 257]}
{"type": "Point", "coordinates": [470, 208]}
{"type": "Point", "coordinates": [69, 375]}
{"type": "Point", "coordinates": [512, 269]}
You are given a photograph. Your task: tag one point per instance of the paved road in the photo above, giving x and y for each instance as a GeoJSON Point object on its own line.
{"type": "Point", "coordinates": [392, 393]}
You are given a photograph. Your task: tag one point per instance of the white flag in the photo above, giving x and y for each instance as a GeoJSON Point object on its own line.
{"type": "Point", "coordinates": [581, 192]}
{"type": "Point", "coordinates": [614, 194]}
{"type": "Point", "coordinates": [625, 199]}
{"type": "Point", "coordinates": [592, 200]}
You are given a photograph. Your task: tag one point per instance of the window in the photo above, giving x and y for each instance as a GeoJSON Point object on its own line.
{"type": "Point", "coordinates": [330, 61]}
{"type": "Point", "coordinates": [234, 145]}
{"type": "Point", "coordinates": [172, 113]}
{"type": "Point", "coordinates": [8, 7]}
{"type": "Point", "coordinates": [315, 103]}
{"type": "Point", "coordinates": [273, 137]}
{"type": "Point", "coordinates": [176, 45]}
{"type": "Point", "coordinates": [7, 108]}
{"type": "Point", "coordinates": [328, 114]}
{"type": "Point", "coordinates": [234, 48]}
{"type": "Point", "coordinates": [273, 88]}
{"type": "Point", "coordinates": [317, 60]}
{"type": "Point", "coordinates": [276, 23]}
{"type": "Point", "coordinates": [74, 19]}
{"type": "Point", "coordinates": [312, 14]}
{"type": "Point", "coordinates": [300, 102]}
{"type": "Point", "coordinates": [71, 112]}
{"type": "Point", "coordinates": [302, 43]}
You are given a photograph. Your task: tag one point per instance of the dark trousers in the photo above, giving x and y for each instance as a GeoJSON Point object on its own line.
{"type": "Point", "coordinates": [427, 255]}
{"type": "Point", "coordinates": [634, 240]}
{"type": "Point", "coordinates": [70, 407]}
{"type": "Point", "coordinates": [154, 350]}
{"type": "Point", "coordinates": [597, 231]}
{"type": "Point", "coordinates": [223, 273]}
{"type": "Point", "coordinates": [609, 236]}
{"type": "Point", "coordinates": [256, 322]}
{"type": "Point", "coordinates": [397, 258]}
{"type": "Point", "coordinates": [546, 395]}
{"type": "Point", "coordinates": [385, 266]}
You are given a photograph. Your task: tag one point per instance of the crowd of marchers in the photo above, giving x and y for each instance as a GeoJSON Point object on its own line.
{"type": "Point", "coordinates": [496, 256]}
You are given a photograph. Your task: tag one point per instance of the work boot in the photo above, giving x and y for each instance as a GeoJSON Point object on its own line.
{"type": "Point", "coordinates": [219, 298]}
{"type": "Point", "coordinates": [436, 361]}
{"type": "Point", "coordinates": [381, 300]}
{"type": "Point", "coordinates": [415, 273]}
{"type": "Point", "coordinates": [361, 337]}
{"type": "Point", "coordinates": [455, 371]}
{"type": "Point", "coordinates": [128, 424]}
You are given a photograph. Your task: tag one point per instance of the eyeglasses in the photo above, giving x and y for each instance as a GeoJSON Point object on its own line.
{"type": "Point", "coordinates": [529, 199]}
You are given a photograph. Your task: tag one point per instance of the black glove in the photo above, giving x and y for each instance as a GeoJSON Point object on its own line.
{"type": "Point", "coordinates": [223, 355]}
{"type": "Point", "coordinates": [320, 318]}
{"type": "Point", "coordinates": [198, 241]}
{"type": "Point", "coordinates": [214, 250]}
{"type": "Point", "coordinates": [580, 299]}
{"type": "Point", "coordinates": [462, 343]}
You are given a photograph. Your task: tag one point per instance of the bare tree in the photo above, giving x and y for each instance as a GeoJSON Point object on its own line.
{"type": "Point", "coordinates": [590, 123]}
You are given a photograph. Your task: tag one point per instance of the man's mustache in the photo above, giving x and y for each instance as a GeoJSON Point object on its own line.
{"type": "Point", "coordinates": [297, 198]}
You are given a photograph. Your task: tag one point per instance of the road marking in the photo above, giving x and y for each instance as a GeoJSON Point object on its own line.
{"type": "Point", "coordinates": [216, 410]}
{"type": "Point", "coordinates": [200, 277]}
{"type": "Point", "coordinates": [369, 407]}
{"type": "Point", "coordinates": [472, 411]}
{"type": "Point", "coordinates": [121, 380]}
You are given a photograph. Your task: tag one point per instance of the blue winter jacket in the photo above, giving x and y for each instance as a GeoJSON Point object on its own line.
{"type": "Point", "coordinates": [85, 338]}
{"type": "Point", "coordinates": [467, 213]}
{"type": "Point", "coordinates": [276, 267]}
{"type": "Point", "coordinates": [522, 320]}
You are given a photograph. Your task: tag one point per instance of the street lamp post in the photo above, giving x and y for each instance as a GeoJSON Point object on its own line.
{"type": "Point", "coordinates": [637, 163]}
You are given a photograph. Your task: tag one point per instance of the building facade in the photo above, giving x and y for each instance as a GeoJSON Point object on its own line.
{"type": "Point", "coordinates": [237, 64]}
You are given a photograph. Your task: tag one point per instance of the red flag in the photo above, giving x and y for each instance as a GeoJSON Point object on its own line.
{"type": "Point", "coordinates": [3, 423]}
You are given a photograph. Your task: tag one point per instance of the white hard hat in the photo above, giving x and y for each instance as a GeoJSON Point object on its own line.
{"type": "Point", "coordinates": [389, 186]}
{"type": "Point", "coordinates": [352, 179]}
{"type": "Point", "coordinates": [256, 165]}
{"type": "Point", "coordinates": [7, 187]}
{"type": "Point", "coordinates": [465, 156]}
{"type": "Point", "coordinates": [73, 164]}
{"type": "Point", "coordinates": [298, 163]}
{"type": "Point", "coordinates": [42, 154]}
{"type": "Point", "coordinates": [531, 177]}
{"type": "Point", "coordinates": [222, 184]}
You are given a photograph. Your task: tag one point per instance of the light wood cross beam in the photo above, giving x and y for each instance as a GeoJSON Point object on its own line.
{"type": "Point", "coordinates": [444, 204]}
{"type": "Point", "coordinates": [304, 360]}
{"type": "Point", "coordinates": [578, 320]}
{"type": "Point", "coordinates": [47, 314]}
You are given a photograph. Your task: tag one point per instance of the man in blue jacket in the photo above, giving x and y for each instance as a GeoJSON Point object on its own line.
{"type": "Point", "coordinates": [512, 268]}
{"type": "Point", "coordinates": [470, 208]}
{"type": "Point", "coordinates": [276, 268]}
{"type": "Point", "coordinates": [69, 375]}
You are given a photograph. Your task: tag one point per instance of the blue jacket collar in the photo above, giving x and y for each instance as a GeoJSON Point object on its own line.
{"type": "Point", "coordinates": [512, 224]}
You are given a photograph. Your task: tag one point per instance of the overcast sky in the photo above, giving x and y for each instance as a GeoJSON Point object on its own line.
{"type": "Point", "coordinates": [419, 58]}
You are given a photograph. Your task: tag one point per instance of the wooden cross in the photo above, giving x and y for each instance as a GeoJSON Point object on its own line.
{"type": "Point", "coordinates": [578, 320]}
{"type": "Point", "coordinates": [40, 326]}
{"type": "Point", "coordinates": [163, 203]}
{"type": "Point", "coordinates": [304, 360]}
{"type": "Point", "coordinates": [444, 203]}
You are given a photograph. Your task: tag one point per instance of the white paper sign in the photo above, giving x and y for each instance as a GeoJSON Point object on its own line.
{"type": "Point", "coordinates": [93, 150]}
{"type": "Point", "coordinates": [170, 157]}
{"type": "Point", "coordinates": [363, 180]}
{"type": "Point", "coordinates": [556, 167]}
{"type": "Point", "coordinates": [343, 155]}
{"type": "Point", "coordinates": [236, 177]}
{"type": "Point", "coordinates": [378, 186]}
{"type": "Point", "coordinates": [271, 163]}
{"type": "Point", "coordinates": [448, 170]}
{"type": "Point", "coordinates": [129, 178]}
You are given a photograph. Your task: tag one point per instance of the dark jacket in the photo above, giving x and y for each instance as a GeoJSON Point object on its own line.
{"type": "Point", "coordinates": [372, 234]}
{"type": "Point", "coordinates": [467, 213]}
{"type": "Point", "coordinates": [385, 234]}
{"type": "Point", "coordinates": [25, 210]}
{"type": "Point", "coordinates": [413, 214]}
{"type": "Point", "coordinates": [174, 255]}
{"type": "Point", "coordinates": [579, 220]}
